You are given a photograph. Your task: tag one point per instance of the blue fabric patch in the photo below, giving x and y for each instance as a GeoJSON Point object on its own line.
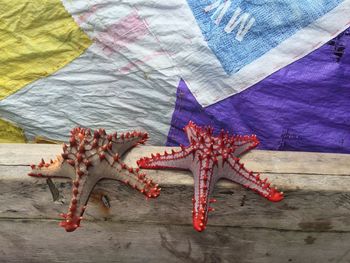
{"type": "Point", "coordinates": [267, 24]}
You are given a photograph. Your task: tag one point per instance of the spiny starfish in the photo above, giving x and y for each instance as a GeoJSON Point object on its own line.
{"type": "Point", "coordinates": [90, 158]}
{"type": "Point", "coordinates": [210, 158]}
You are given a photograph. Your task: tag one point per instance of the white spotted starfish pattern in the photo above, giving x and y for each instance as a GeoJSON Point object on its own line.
{"type": "Point", "coordinates": [90, 158]}
{"type": "Point", "coordinates": [211, 158]}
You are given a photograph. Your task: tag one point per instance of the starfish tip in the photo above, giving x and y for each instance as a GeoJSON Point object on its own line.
{"type": "Point", "coordinates": [69, 226]}
{"type": "Point", "coordinates": [275, 197]}
{"type": "Point", "coordinates": [142, 163]}
{"type": "Point", "coordinates": [199, 224]}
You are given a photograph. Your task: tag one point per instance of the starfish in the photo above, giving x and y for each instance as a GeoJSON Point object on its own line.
{"type": "Point", "coordinates": [211, 158]}
{"type": "Point", "coordinates": [90, 158]}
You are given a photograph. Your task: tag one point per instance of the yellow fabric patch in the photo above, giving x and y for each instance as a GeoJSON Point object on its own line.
{"type": "Point", "coordinates": [40, 139]}
{"type": "Point", "coordinates": [9, 133]}
{"type": "Point", "coordinates": [37, 37]}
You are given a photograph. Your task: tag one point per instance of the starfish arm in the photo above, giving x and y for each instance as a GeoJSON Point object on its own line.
{"type": "Point", "coordinates": [196, 134]}
{"type": "Point", "coordinates": [81, 190]}
{"type": "Point", "coordinates": [192, 131]}
{"type": "Point", "coordinates": [243, 144]}
{"type": "Point", "coordinates": [55, 169]}
{"type": "Point", "coordinates": [136, 180]}
{"type": "Point", "coordinates": [126, 141]}
{"type": "Point", "coordinates": [117, 170]}
{"type": "Point", "coordinates": [174, 160]}
{"type": "Point", "coordinates": [112, 142]}
{"type": "Point", "coordinates": [204, 181]}
{"type": "Point", "coordinates": [235, 171]}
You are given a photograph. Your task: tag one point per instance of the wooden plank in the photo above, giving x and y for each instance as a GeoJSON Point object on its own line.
{"type": "Point", "coordinates": [282, 168]}
{"type": "Point", "coordinates": [258, 160]}
{"type": "Point", "coordinates": [312, 224]}
{"type": "Point", "coordinates": [236, 206]}
{"type": "Point", "coordinates": [41, 241]}
{"type": "Point", "coordinates": [284, 181]}
{"type": "Point", "coordinates": [24, 197]}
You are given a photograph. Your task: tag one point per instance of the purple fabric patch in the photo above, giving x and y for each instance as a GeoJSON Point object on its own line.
{"type": "Point", "coordinates": [302, 107]}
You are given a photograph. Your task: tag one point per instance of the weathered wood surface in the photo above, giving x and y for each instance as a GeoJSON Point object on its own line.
{"type": "Point", "coordinates": [312, 224]}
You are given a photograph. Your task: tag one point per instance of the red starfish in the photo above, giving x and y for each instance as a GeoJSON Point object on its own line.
{"type": "Point", "coordinates": [90, 158]}
{"type": "Point", "coordinates": [210, 158]}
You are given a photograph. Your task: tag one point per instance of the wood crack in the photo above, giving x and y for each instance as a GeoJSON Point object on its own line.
{"type": "Point", "coordinates": [151, 223]}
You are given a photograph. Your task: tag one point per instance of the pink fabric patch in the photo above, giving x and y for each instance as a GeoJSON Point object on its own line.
{"type": "Point", "coordinates": [125, 31]}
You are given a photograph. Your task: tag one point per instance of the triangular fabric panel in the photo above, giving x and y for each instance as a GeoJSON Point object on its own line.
{"type": "Point", "coordinates": [302, 107]}
{"type": "Point", "coordinates": [36, 39]}
{"type": "Point", "coordinates": [223, 47]}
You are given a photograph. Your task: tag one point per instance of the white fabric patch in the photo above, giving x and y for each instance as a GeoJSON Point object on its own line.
{"type": "Point", "coordinates": [124, 81]}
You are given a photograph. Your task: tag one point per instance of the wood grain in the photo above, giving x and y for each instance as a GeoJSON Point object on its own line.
{"type": "Point", "coordinates": [43, 242]}
{"type": "Point", "coordinates": [260, 161]}
{"type": "Point", "coordinates": [312, 224]}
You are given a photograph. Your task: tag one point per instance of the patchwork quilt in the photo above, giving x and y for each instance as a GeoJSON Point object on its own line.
{"type": "Point", "coordinates": [277, 69]}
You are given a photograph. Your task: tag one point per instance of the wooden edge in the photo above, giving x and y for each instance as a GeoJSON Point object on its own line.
{"type": "Point", "coordinates": [169, 178]}
{"type": "Point", "coordinates": [257, 160]}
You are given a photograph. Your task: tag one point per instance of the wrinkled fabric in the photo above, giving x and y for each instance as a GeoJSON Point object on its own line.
{"type": "Point", "coordinates": [10, 133]}
{"type": "Point", "coordinates": [36, 39]}
{"type": "Point", "coordinates": [127, 78]}
{"type": "Point", "coordinates": [222, 47]}
{"type": "Point", "coordinates": [124, 81]}
{"type": "Point", "coordinates": [302, 107]}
